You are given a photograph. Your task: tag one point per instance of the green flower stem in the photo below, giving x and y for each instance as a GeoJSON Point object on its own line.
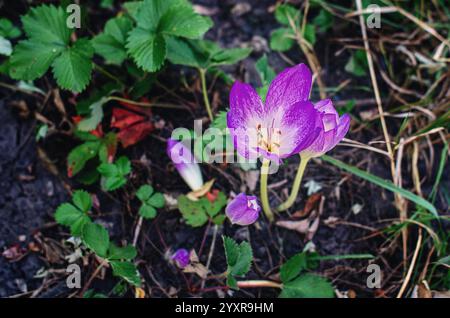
{"type": "Point", "coordinates": [202, 72]}
{"type": "Point", "coordinates": [296, 187]}
{"type": "Point", "coordinates": [263, 189]}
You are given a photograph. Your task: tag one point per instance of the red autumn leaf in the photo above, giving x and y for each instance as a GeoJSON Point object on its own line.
{"type": "Point", "coordinates": [134, 123]}
{"type": "Point", "coordinates": [212, 195]}
{"type": "Point", "coordinates": [98, 132]}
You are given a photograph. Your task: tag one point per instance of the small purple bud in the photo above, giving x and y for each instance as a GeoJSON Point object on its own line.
{"type": "Point", "coordinates": [333, 129]}
{"type": "Point", "coordinates": [243, 209]}
{"type": "Point", "coordinates": [181, 257]}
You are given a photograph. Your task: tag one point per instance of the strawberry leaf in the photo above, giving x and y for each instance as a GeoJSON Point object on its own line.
{"type": "Point", "coordinates": [127, 252]}
{"type": "Point", "coordinates": [48, 44]}
{"type": "Point", "coordinates": [72, 69]}
{"type": "Point", "coordinates": [111, 43]}
{"type": "Point", "coordinates": [32, 58]}
{"type": "Point", "coordinates": [182, 21]}
{"type": "Point", "coordinates": [127, 271]}
{"type": "Point", "coordinates": [148, 49]}
{"type": "Point", "coordinates": [96, 238]}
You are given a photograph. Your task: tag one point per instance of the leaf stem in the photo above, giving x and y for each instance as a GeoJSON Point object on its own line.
{"type": "Point", "coordinates": [108, 74]}
{"type": "Point", "coordinates": [202, 72]}
{"type": "Point", "coordinates": [96, 272]}
{"type": "Point", "coordinates": [145, 104]}
{"type": "Point", "coordinates": [296, 186]}
{"type": "Point", "coordinates": [263, 189]}
{"type": "Point", "coordinates": [258, 283]}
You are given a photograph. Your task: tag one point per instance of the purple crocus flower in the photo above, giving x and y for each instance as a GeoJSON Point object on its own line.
{"type": "Point", "coordinates": [334, 130]}
{"type": "Point", "coordinates": [243, 209]}
{"type": "Point", "coordinates": [284, 125]}
{"type": "Point", "coordinates": [181, 257]}
{"type": "Point", "coordinates": [185, 163]}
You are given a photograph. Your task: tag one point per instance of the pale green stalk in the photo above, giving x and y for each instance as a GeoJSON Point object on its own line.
{"type": "Point", "coordinates": [296, 186]}
{"type": "Point", "coordinates": [263, 189]}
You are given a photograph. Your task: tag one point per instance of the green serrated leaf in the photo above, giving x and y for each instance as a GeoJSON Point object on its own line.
{"type": "Point", "coordinates": [192, 211]}
{"type": "Point", "coordinates": [82, 200]}
{"type": "Point", "coordinates": [150, 12]}
{"type": "Point", "coordinates": [96, 238]}
{"type": "Point", "coordinates": [114, 174]}
{"type": "Point", "coordinates": [244, 261]}
{"type": "Point", "coordinates": [239, 259]}
{"type": "Point", "coordinates": [323, 21]}
{"type": "Point", "coordinates": [182, 21]}
{"type": "Point", "coordinates": [293, 267]}
{"type": "Point", "coordinates": [115, 253]}
{"type": "Point", "coordinates": [107, 4]}
{"type": "Point", "coordinates": [72, 69]}
{"type": "Point", "coordinates": [108, 147]}
{"type": "Point", "coordinates": [232, 282]}
{"type": "Point", "coordinates": [308, 286]}
{"type": "Point", "coordinates": [127, 271]}
{"type": "Point", "coordinates": [220, 120]}
{"type": "Point", "coordinates": [32, 58]}
{"type": "Point", "coordinates": [133, 8]}
{"type": "Point", "coordinates": [147, 49]}
{"type": "Point", "coordinates": [90, 293]}
{"type": "Point", "coordinates": [47, 23]}
{"type": "Point", "coordinates": [113, 183]}
{"type": "Point", "coordinates": [282, 39]}
{"type": "Point", "coordinates": [47, 45]}
{"type": "Point", "coordinates": [219, 219]}
{"type": "Point", "coordinates": [147, 211]}
{"type": "Point", "coordinates": [230, 56]}
{"type": "Point", "coordinates": [183, 52]}
{"type": "Point", "coordinates": [266, 73]}
{"type": "Point", "coordinates": [157, 200]}
{"type": "Point", "coordinates": [88, 176]}
{"type": "Point", "coordinates": [8, 30]}
{"type": "Point", "coordinates": [231, 250]}
{"type": "Point", "coordinates": [144, 192]}
{"type": "Point", "coordinates": [107, 169]}
{"type": "Point", "coordinates": [79, 155]}
{"type": "Point", "coordinates": [111, 43]}
{"type": "Point", "coordinates": [123, 165]}
{"type": "Point", "coordinates": [310, 34]}
{"type": "Point", "coordinates": [212, 208]}
{"type": "Point", "coordinates": [69, 215]}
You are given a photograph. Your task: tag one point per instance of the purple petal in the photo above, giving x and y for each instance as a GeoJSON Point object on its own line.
{"type": "Point", "coordinates": [326, 106]}
{"type": "Point", "coordinates": [343, 126]}
{"type": "Point", "coordinates": [289, 87]}
{"type": "Point", "coordinates": [330, 116]}
{"type": "Point", "coordinates": [243, 209]}
{"type": "Point", "coordinates": [181, 257]}
{"type": "Point", "coordinates": [298, 127]}
{"type": "Point", "coordinates": [337, 134]}
{"type": "Point", "coordinates": [330, 139]}
{"type": "Point", "coordinates": [246, 111]}
{"type": "Point", "coordinates": [245, 106]}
